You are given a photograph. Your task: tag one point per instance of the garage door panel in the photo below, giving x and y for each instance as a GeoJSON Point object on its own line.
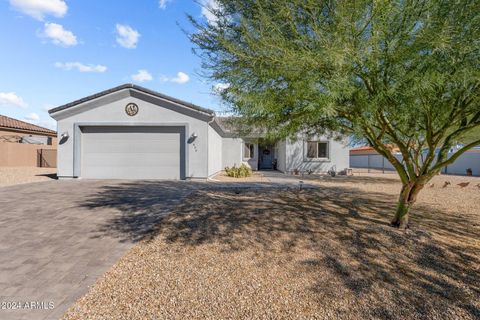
{"type": "Point", "coordinates": [134, 173]}
{"type": "Point", "coordinates": [144, 146]}
{"type": "Point", "coordinates": [131, 129]}
{"type": "Point", "coordinates": [132, 160]}
{"type": "Point", "coordinates": [133, 152]}
{"type": "Point", "coordinates": [136, 137]}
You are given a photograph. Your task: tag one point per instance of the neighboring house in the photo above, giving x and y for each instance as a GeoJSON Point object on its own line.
{"type": "Point", "coordinates": [21, 144]}
{"type": "Point", "coordinates": [370, 150]}
{"type": "Point", "coordinates": [367, 157]}
{"type": "Point", "coordinates": [130, 132]}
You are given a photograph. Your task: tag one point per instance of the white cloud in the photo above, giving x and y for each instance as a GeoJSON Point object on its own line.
{"type": "Point", "coordinates": [181, 78]}
{"type": "Point", "coordinates": [207, 7]}
{"type": "Point", "coordinates": [163, 4]}
{"type": "Point", "coordinates": [38, 9]}
{"type": "Point", "coordinates": [58, 35]}
{"type": "Point", "coordinates": [32, 116]}
{"type": "Point", "coordinates": [81, 67]}
{"type": "Point", "coordinates": [142, 75]}
{"type": "Point", "coordinates": [11, 99]}
{"type": "Point", "coordinates": [126, 36]}
{"type": "Point", "coordinates": [219, 87]}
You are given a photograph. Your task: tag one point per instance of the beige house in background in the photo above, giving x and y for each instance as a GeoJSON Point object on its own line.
{"type": "Point", "coordinates": [23, 144]}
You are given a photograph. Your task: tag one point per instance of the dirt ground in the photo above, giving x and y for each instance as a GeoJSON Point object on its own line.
{"type": "Point", "coordinates": [17, 175]}
{"type": "Point", "coordinates": [327, 253]}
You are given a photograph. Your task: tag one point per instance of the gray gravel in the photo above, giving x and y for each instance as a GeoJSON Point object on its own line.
{"type": "Point", "coordinates": [311, 254]}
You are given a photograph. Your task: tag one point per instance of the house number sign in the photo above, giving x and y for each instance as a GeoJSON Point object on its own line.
{"type": "Point", "coordinates": [131, 109]}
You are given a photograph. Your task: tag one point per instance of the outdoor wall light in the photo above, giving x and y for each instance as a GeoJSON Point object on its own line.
{"type": "Point", "coordinates": [192, 137]}
{"type": "Point", "coordinates": [63, 138]}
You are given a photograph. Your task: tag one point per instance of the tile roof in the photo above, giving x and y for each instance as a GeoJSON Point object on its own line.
{"type": "Point", "coordinates": [233, 128]}
{"type": "Point", "coordinates": [362, 148]}
{"type": "Point", "coordinates": [10, 123]}
{"type": "Point", "coordinates": [135, 87]}
{"type": "Point", "coordinates": [391, 147]}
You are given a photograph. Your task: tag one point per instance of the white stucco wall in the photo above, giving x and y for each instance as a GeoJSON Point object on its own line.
{"type": "Point", "coordinates": [215, 145]}
{"type": "Point", "coordinates": [281, 156]}
{"type": "Point", "coordinates": [109, 110]}
{"type": "Point", "coordinates": [232, 153]}
{"type": "Point", "coordinates": [253, 161]}
{"type": "Point", "coordinates": [296, 156]}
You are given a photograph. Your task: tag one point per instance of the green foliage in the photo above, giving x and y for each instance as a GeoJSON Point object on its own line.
{"type": "Point", "coordinates": [238, 172]}
{"type": "Point", "coordinates": [470, 136]}
{"type": "Point", "coordinates": [402, 72]}
{"type": "Point", "coordinates": [386, 72]}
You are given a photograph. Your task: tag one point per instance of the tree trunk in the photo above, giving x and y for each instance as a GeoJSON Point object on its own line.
{"type": "Point", "coordinates": [407, 198]}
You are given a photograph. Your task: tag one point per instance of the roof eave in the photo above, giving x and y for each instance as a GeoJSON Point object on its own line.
{"type": "Point", "coordinates": [131, 87]}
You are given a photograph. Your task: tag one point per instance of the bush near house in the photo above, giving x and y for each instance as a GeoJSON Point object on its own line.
{"type": "Point", "coordinates": [238, 172]}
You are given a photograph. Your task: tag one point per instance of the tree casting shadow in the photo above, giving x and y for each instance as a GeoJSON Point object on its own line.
{"type": "Point", "coordinates": [432, 270]}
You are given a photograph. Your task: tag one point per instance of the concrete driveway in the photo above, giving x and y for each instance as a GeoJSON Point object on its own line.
{"type": "Point", "coordinates": [58, 237]}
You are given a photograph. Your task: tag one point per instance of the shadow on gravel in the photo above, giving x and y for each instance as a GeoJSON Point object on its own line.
{"type": "Point", "coordinates": [431, 271]}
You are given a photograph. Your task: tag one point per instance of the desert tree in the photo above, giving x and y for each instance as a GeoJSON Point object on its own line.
{"type": "Point", "coordinates": [401, 73]}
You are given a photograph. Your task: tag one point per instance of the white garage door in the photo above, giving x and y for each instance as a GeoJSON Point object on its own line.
{"type": "Point", "coordinates": [146, 152]}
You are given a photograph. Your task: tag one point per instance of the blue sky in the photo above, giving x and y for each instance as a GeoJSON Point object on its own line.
{"type": "Point", "coordinates": [57, 51]}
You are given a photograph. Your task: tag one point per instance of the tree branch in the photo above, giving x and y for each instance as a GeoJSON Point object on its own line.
{"type": "Point", "coordinates": [381, 149]}
{"type": "Point", "coordinates": [455, 155]}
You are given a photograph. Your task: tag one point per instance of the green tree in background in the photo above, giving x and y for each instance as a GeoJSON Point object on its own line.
{"type": "Point", "coordinates": [404, 73]}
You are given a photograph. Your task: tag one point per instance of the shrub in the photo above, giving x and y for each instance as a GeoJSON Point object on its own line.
{"type": "Point", "coordinates": [239, 172]}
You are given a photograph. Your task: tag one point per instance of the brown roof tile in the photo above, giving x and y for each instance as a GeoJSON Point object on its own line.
{"type": "Point", "coordinates": [10, 123]}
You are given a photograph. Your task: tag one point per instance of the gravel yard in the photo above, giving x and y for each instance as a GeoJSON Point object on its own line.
{"type": "Point", "coordinates": [326, 253]}
{"type": "Point", "coordinates": [17, 175]}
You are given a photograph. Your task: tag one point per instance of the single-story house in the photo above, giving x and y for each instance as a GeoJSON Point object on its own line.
{"type": "Point", "coordinates": [22, 144]}
{"type": "Point", "coordinates": [130, 132]}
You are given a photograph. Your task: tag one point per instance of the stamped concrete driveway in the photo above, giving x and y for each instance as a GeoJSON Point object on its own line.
{"type": "Point", "coordinates": [58, 237]}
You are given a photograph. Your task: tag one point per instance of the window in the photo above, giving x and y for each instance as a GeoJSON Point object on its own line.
{"type": "Point", "coordinates": [248, 151]}
{"type": "Point", "coordinates": [317, 149]}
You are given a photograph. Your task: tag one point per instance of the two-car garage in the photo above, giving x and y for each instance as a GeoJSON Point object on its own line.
{"type": "Point", "coordinates": [132, 152]}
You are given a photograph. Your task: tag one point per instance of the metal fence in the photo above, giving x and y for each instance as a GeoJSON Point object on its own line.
{"type": "Point", "coordinates": [377, 163]}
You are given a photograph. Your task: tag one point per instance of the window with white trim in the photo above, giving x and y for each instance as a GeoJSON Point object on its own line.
{"type": "Point", "coordinates": [317, 150]}
{"type": "Point", "coordinates": [249, 151]}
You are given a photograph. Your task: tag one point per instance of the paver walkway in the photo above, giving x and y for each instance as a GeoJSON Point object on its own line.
{"type": "Point", "coordinates": [58, 237]}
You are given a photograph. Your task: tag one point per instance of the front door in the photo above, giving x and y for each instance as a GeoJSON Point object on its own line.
{"type": "Point", "coordinates": [266, 157]}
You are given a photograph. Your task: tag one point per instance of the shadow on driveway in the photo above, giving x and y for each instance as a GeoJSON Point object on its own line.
{"type": "Point", "coordinates": [140, 206]}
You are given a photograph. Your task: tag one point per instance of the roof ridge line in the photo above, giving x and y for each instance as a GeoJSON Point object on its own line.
{"type": "Point", "coordinates": [135, 87]}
